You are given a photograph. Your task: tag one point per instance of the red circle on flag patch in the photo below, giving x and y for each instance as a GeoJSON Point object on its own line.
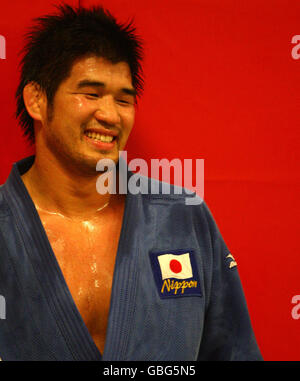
{"type": "Point", "coordinates": [175, 266]}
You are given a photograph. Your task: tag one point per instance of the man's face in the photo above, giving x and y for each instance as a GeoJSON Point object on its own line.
{"type": "Point", "coordinates": [92, 115]}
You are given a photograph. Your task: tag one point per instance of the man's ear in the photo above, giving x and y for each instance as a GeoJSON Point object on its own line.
{"type": "Point", "coordinates": [35, 101]}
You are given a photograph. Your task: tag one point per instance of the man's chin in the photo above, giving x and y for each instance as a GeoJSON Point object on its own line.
{"type": "Point", "coordinates": [92, 165]}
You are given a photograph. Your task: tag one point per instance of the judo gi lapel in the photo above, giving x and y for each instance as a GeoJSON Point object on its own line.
{"type": "Point", "coordinates": [123, 295]}
{"type": "Point", "coordinates": [124, 288]}
{"type": "Point", "coordinates": [53, 285]}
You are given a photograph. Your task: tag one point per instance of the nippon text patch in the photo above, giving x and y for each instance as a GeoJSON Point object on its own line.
{"type": "Point", "coordinates": [175, 273]}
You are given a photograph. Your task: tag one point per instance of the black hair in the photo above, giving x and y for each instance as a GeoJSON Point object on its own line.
{"type": "Point", "coordinates": [57, 40]}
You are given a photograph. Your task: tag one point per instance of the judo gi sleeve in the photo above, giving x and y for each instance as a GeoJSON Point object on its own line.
{"type": "Point", "coordinates": [227, 332]}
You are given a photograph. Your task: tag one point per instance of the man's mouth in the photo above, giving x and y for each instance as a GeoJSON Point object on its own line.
{"type": "Point", "coordinates": [100, 137]}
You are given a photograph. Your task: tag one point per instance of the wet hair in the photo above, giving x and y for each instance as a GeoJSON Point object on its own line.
{"type": "Point", "coordinates": [55, 41]}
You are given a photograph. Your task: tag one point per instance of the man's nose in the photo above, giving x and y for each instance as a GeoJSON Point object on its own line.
{"type": "Point", "coordinates": [107, 111]}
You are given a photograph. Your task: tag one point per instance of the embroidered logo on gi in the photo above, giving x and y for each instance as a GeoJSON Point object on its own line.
{"type": "Point", "coordinates": [232, 263]}
{"type": "Point", "coordinates": [175, 273]}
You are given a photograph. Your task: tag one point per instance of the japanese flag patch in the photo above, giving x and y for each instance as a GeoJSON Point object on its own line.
{"type": "Point", "coordinates": [175, 273]}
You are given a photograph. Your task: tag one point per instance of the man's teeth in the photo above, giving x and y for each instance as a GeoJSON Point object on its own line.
{"type": "Point", "coordinates": [102, 138]}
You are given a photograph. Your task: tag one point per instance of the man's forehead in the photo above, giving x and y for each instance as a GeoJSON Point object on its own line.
{"type": "Point", "coordinates": [99, 68]}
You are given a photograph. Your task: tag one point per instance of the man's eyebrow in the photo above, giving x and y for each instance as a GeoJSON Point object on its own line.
{"type": "Point", "coordinates": [128, 91]}
{"type": "Point", "coordinates": [88, 83]}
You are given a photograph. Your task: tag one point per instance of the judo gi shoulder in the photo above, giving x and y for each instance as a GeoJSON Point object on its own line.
{"type": "Point", "coordinates": [4, 210]}
{"type": "Point", "coordinates": [227, 333]}
{"type": "Point", "coordinates": [185, 221]}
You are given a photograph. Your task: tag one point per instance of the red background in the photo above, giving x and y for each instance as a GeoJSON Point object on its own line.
{"type": "Point", "coordinates": [221, 85]}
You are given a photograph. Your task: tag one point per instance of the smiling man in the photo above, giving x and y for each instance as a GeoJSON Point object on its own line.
{"type": "Point", "coordinates": [91, 116]}
{"type": "Point", "coordinates": [89, 276]}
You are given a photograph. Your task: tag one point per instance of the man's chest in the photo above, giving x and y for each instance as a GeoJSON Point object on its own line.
{"type": "Point", "coordinates": [86, 252]}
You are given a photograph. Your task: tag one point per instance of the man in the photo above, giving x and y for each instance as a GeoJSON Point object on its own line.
{"type": "Point", "coordinates": [113, 276]}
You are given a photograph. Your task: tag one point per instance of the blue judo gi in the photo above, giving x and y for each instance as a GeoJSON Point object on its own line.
{"type": "Point", "coordinates": [176, 291]}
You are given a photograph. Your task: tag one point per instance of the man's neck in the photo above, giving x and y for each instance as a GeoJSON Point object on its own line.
{"type": "Point", "coordinates": [56, 189]}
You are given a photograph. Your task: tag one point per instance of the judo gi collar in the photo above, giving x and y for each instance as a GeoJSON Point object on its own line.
{"type": "Point", "coordinates": [52, 284]}
{"type": "Point", "coordinates": [22, 166]}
